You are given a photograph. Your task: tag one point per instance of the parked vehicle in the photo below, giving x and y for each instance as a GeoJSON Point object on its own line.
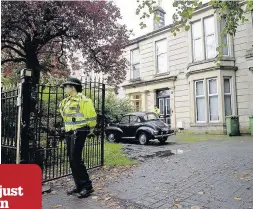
{"type": "Point", "coordinates": [141, 126]}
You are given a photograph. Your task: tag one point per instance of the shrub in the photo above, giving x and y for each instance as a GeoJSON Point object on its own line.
{"type": "Point", "coordinates": [116, 107]}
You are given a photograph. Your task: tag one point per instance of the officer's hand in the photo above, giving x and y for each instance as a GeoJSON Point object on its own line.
{"type": "Point", "coordinates": [91, 135]}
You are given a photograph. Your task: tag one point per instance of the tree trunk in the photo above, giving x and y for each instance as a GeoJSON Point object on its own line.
{"type": "Point", "coordinates": [34, 65]}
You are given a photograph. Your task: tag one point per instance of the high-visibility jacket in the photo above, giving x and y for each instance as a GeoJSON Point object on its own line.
{"type": "Point", "coordinates": [156, 111]}
{"type": "Point", "coordinates": [77, 111]}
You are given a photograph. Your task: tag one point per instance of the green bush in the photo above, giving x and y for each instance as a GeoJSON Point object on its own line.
{"type": "Point", "coordinates": [116, 107]}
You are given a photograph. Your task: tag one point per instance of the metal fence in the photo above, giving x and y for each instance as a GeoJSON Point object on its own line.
{"type": "Point", "coordinates": [44, 142]}
{"type": "Point", "coordinates": [9, 113]}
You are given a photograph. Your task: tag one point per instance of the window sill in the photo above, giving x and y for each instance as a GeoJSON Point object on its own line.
{"type": "Point", "coordinates": [209, 65]}
{"type": "Point", "coordinates": [135, 79]}
{"type": "Point", "coordinates": [161, 74]}
{"type": "Point", "coordinates": [200, 62]}
{"type": "Point", "coordinates": [204, 124]}
{"type": "Point", "coordinates": [223, 58]}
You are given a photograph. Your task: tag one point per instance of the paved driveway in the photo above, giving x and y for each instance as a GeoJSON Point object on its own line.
{"type": "Point", "coordinates": [210, 174]}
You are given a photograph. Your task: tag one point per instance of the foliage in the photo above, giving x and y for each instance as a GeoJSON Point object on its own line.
{"type": "Point", "coordinates": [232, 11]}
{"type": "Point", "coordinates": [45, 35]}
{"type": "Point", "coordinates": [115, 107]}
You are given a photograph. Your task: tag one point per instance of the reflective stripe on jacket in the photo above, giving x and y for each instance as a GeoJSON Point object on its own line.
{"type": "Point", "coordinates": [77, 112]}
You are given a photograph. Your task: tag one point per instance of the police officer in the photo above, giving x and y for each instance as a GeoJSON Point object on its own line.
{"type": "Point", "coordinates": [79, 118]}
{"type": "Point", "coordinates": [156, 110]}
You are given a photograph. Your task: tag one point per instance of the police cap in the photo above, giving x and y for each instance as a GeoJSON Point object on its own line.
{"type": "Point", "coordinates": [72, 81]}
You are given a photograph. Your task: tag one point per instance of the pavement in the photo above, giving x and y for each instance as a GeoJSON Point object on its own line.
{"type": "Point", "coordinates": [215, 174]}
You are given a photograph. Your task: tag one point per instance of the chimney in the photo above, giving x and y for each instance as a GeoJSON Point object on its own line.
{"type": "Point", "coordinates": [159, 16]}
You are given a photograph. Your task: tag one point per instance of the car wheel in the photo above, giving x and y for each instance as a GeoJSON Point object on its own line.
{"type": "Point", "coordinates": [112, 137]}
{"type": "Point", "coordinates": [143, 138]}
{"type": "Point", "coordinates": [162, 140]}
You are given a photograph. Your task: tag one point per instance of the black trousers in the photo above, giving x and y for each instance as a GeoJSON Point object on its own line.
{"type": "Point", "coordinates": [75, 145]}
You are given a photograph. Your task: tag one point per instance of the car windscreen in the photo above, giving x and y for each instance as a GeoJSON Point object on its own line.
{"type": "Point", "coordinates": [150, 116]}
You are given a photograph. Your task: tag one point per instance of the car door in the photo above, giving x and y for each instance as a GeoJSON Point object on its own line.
{"type": "Point", "coordinates": [124, 125]}
{"type": "Point", "coordinates": [134, 124]}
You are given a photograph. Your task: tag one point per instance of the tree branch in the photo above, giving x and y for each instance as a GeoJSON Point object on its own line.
{"type": "Point", "coordinates": [14, 43]}
{"type": "Point", "coordinates": [13, 49]}
{"type": "Point", "coordinates": [13, 60]}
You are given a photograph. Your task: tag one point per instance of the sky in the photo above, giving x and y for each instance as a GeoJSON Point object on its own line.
{"type": "Point", "coordinates": [128, 9]}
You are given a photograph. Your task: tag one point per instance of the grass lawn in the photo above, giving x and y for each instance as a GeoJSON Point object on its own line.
{"type": "Point", "coordinates": [183, 137]}
{"type": "Point", "coordinates": [114, 155]}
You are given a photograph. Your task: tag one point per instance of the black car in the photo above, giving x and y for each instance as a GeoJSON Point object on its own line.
{"type": "Point", "coordinates": [141, 126]}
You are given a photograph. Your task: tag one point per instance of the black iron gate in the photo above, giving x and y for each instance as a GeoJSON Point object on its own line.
{"type": "Point", "coordinates": [42, 139]}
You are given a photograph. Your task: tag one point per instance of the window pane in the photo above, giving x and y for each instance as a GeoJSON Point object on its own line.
{"type": "Point", "coordinates": [228, 106]}
{"type": "Point", "coordinates": [136, 71]}
{"type": "Point", "coordinates": [133, 119]}
{"type": "Point", "coordinates": [213, 108]}
{"type": "Point", "coordinates": [224, 38]}
{"type": "Point", "coordinates": [162, 63]}
{"type": "Point", "coordinates": [161, 47]}
{"type": "Point", "coordinates": [212, 86]}
{"type": "Point", "coordinates": [137, 106]}
{"type": "Point", "coordinates": [225, 48]}
{"type": "Point", "coordinates": [209, 26]}
{"type": "Point", "coordinates": [201, 115]}
{"type": "Point", "coordinates": [197, 50]}
{"type": "Point", "coordinates": [199, 88]}
{"type": "Point", "coordinates": [210, 47]}
{"type": "Point", "coordinates": [227, 86]}
{"type": "Point", "coordinates": [135, 56]}
{"type": "Point", "coordinates": [167, 105]}
{"type": "Point", "coordinates": [125, 119]}
{"type": "Point", "coordinates": [161, 106]}
{"type": "Point", "coordinates": [196, 30]}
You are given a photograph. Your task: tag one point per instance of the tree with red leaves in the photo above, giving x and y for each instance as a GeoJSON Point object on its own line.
{"type": "Point", "coordinates": [34, 33]}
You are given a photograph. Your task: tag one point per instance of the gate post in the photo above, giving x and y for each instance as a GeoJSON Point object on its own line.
{"type": "Point", "coordinates": [103, 124]}
{"type": "Point", "coordinates": [24, 103]}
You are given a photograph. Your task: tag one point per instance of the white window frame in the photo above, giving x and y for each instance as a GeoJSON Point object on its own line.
{"type": "Point", "coordinates": [134, 64]}
{"type": "Point", "coordinates": [208, 35]}
{"type": "Point", "coordinates": [228, 94]}
{"type": "Point", "coordinates": [203, 38]}
{"type": "Point", "coordinates": [195, 39]}
{"type": "Point", "coordinates": [134, 100]}
{"type": "Point", "coordinates": [228, 43]}
{"type": "Point", "coordinates": [199, 96]}
{"type": "Point", "coordinates": [212, 95]}
{"type": "Point", "coordinates": [158, 54]}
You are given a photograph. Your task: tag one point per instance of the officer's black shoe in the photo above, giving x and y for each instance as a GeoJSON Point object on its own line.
{"type": "Point", "coordinates": [86, 192]}
{"type": "Point", "coordinates": [72, 191]}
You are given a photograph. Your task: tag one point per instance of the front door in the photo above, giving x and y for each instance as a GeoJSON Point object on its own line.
{"type": "Point", "coordinates": [163, 103]}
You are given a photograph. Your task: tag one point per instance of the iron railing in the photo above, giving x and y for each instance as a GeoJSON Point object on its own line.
{"type": "Point", "coordinates": [45, 140]}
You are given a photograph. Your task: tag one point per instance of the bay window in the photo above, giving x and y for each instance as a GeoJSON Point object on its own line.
{"type": "Point", "coordinates": [206, 100]}
{"type": "Point", "coordinates": [203, 39]}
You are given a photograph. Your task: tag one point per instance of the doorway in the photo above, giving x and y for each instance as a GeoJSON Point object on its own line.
{"type": "Point", "coordinates": [163, 103]}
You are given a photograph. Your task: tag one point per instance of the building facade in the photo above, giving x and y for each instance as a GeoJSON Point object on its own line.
{"type": "Point", "coordinates": [180, 76]}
